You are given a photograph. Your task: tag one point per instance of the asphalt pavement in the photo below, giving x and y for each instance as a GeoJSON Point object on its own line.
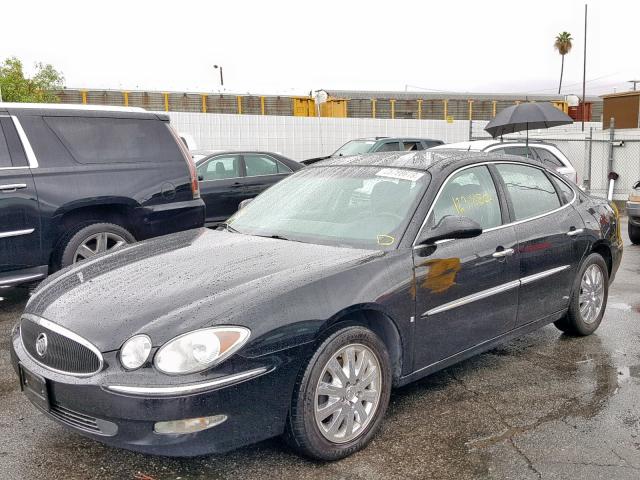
{"type": "Point", "coordinates": [542, 406]}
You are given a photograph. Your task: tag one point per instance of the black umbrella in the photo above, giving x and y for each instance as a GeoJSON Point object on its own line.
{"type": "Point", "coordinates": [527, 116]}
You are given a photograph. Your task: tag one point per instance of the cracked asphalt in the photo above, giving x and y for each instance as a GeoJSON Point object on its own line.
{"type": "Point", "coordinates": [544, 406]}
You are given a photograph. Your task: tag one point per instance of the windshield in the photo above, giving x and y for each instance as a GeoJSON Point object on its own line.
{"type": "Point", "coordinates": [361, 207]}
{"type": "Point", "coordinates": [354, 147]}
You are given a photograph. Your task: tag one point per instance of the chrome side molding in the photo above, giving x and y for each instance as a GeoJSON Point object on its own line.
{"type": "Point", "coordinates": [493, 291]}
{"type": "Point", "coordinates": [16, 233]}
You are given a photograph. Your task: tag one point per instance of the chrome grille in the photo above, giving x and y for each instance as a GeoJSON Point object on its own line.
{"type": "Point", "coordinates": [65, 352]}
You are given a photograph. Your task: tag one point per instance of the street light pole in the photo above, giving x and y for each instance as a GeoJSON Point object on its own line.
{"type": "Point", "coordinates": [221, 78]}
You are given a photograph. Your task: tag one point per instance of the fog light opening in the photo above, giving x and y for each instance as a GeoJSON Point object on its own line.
{"type": "Point", "coordinates": [188, 425]}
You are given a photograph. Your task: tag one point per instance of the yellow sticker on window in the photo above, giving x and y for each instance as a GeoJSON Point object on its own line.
{"type": "Point", "coordinates": [385, 240]}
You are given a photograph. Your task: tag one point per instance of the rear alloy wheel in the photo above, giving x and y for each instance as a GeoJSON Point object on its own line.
{"type": "Point", "coordinates": [589, 298]}
{"type": "Point", "coordinates": [89, 240]}
{"type": "Point", "coordinates": [634, 234]}
{"type": "Point", "coordinates": [341, 396]}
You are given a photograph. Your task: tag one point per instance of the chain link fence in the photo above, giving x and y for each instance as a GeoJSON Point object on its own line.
{"type": "Point", "coordinates": [593, 152]}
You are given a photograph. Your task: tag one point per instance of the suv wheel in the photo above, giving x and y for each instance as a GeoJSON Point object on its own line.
{"type": "Point", "coordinates": [341, 396]}
{"type": "Point", "coordinates": [634, 234]}
{"type": "Point", "coordinates": [92, 239]}
{"type": "Point", "coordinates": [589, 298]}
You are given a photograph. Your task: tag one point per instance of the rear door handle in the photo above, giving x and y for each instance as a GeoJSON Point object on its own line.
{"type": "Point", "coordinates": [237, 185]}
{"type": "Point", "coordinates": [12, 187]}
{"type": "Point", "coordinates": [575, 231]}
{"type": "Point", "coordinates": [506, 252]}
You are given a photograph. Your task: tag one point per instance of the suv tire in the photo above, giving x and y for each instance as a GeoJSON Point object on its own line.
{"type": "Point", "coordinates": [96, 237]}
{"type": "Point", "coordinates": [634, 234]}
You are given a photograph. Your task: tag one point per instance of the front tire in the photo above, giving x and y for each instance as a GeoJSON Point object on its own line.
{"type": "Point", "coordinates": [341, 396]}
{"type": "Point", "coordinates": [589, 299]}
{"type": "Point", "coordinates": [634, 234]}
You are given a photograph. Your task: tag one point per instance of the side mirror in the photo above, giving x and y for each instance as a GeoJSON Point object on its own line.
{"type": "Point", "coordinates": [449, 228]}
{"type": "Point", "coordinates": [636, 185]}
{"type": "Point", "coordinates": [244, 203]}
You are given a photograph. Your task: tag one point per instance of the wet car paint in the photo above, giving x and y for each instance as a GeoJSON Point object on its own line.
{"type": "Point", "coordinates": [272, 286]}
{"type": "Point", "coordinates": [542, 406]}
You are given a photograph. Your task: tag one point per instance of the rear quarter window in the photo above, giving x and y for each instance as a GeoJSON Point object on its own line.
{"type": "Point", "coordinates": [115, 140]}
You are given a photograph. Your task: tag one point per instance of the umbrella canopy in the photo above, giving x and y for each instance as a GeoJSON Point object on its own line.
{"type": "Point", "coordinates": [527, 116]}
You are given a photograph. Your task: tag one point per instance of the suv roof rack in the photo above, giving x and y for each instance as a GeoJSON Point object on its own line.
{"type": "Point", "coordinates": [68, 106]}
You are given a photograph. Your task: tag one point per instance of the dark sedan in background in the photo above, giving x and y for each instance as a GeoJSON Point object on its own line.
{"type": "Point", "coordinates": [228, 178]}
{"type": "Point", "coordinates": [345, 279]}
{"type": "Point", "coordinates": [360, 146]}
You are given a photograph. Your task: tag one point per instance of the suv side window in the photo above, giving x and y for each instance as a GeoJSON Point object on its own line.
{"type": "Point", "coordinates": [470, 193]}
{"type": "Point", "coordinates": [520, 151]}
{"type": "Point", "coordinates": [530, 190]}
{"type": "Point", "coordinates": [112, 140]}
{"type": "Point", "coordinates": [389, 147]}
{"type": "Point", "coordinates": [548, 158]}
{"type": "Point", "coordinates": [219, 168]}
{"type": "Point", "coordinates": [5, 158]}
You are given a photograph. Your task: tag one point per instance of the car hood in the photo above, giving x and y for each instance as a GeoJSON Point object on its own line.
{"type": "Point", "coordinates": [159, 286]}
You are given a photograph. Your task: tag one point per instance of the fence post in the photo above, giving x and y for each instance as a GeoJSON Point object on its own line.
{"type": "Point", "coordinates": [612, 129]}
{"type": "Point", "coordinates": [586, 182]}
{"type": "Point", "coordinates": [470, 129]}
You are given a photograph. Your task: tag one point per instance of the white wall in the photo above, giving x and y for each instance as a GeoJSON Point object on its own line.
{"type": "Point", "coordinates": [303, 137]}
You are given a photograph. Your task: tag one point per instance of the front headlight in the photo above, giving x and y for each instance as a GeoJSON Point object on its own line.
{"type": "Point", "coordinates": [135, 352]}
{"type": "Point", "coordinates": [200, 349]}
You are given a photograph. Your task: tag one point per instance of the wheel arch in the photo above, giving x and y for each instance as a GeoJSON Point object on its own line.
{"type": "Point", "coordinates": [602, 248]}
{"type": "Point", "coordinates": [377, 320]}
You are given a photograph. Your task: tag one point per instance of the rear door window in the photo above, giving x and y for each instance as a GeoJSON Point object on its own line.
{"type": "Point", "coordinates": [219, 168]}
{"type": "Point", "coordinates": [412, 146]}
{"type": "Point", "coordinates": [258, 165]}
{"type": "Point", "coordinates": [520, 151]}
{"type": "Point", "coordinates": [112, 140]}
{"type": "Point", "coordinates": [566, 192]}
{"type": "Point", "coordinates": [530, 190]}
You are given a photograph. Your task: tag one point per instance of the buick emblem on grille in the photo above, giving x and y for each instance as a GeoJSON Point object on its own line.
{"type": "Point", "coordinates": [41, 344]}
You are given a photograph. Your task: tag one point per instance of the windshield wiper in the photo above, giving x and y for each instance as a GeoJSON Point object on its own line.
{"type": "Point", "coordinates": [228, 228]}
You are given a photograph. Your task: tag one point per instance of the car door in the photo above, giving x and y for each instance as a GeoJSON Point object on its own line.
{"type": "Point", "coordinates": [466, 289]}
{"type": "Point", "coordinates": [221, 186]}
{"type": "Point", "coordinates": [262, 171]}
{"type": "Point", "coordinates": [19, 212]}
{"type": "Point", "coordinates": [550, 241]}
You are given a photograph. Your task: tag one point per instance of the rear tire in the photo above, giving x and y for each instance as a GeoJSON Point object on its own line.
{"type": "Point", "coordinates": [350, 376]}
{"type": "Point", "coordinates": [634, 234]}
{"type": "Point", "coordinates": [96, 237]}
{"type": "Point", "coordinates": [589, 299]}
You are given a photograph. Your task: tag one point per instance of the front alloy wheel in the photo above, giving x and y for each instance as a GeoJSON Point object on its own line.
{"type": "Point", "coordinates": [348, 393]}
{"type": "Point", "coordinates": [341, 395]}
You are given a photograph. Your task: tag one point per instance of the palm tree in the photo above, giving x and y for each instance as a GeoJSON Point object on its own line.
{"type": "Point", "coordinates": [563, 45]}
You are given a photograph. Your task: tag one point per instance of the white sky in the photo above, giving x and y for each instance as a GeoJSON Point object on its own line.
{"type": "Point", "coordinates": [298, 46]}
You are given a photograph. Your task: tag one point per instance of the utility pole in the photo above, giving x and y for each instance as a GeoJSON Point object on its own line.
{"type": "Point", "coordinates": [221, 78]}
{"type": "Point", "coordinates": [584, 67]}
{"type": "Point", "coordinates": [635, 82]}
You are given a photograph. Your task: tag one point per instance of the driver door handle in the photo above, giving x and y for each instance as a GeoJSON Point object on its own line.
{"type": "Point", "coordinates": [506, 252]}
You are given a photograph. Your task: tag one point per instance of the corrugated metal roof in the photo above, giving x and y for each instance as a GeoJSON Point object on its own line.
{"type": "Point", "coordinates": [367, 94]}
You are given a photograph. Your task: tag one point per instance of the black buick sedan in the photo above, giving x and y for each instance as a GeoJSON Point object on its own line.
{"type": "Point", "coordinates": [299, 315]}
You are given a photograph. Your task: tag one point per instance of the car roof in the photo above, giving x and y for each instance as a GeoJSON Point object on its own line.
{"type": "Point", "coordinates": [378, 139]}
{"type": "Point", "coordinates": [78, 110]}
{"type": "Point", "coordinates": [421, 159]}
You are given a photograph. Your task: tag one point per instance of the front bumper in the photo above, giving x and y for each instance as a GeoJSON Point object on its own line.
{"type": "Point", "coordinates": [633, 212]}
{"type": "Point", "coordinates": [256, 407]}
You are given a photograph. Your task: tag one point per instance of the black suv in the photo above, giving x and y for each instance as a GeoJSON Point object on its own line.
{"type": "Point", "coordinates": [75, 182]}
